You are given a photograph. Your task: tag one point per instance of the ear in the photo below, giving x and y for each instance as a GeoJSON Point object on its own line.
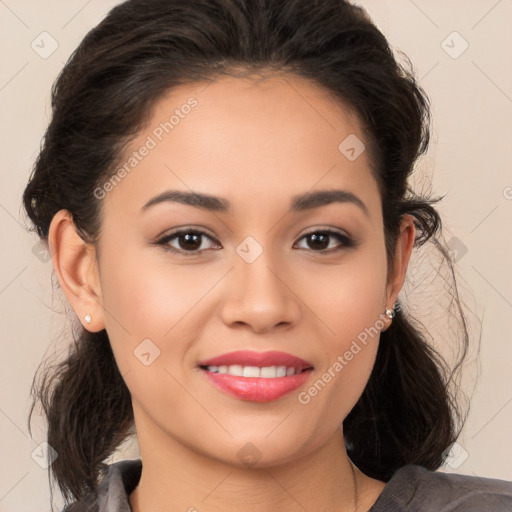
{"type": "Point", "coordinates": [74, 262]}
{"type": "Point", "coordinates": [397, 273]}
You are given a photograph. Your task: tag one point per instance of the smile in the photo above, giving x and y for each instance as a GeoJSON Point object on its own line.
{"type": "Point", "coordinates": [256, 376]}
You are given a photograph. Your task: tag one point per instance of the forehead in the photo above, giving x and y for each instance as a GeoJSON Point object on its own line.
{"type": "Point", "coordinates": [249, 140]}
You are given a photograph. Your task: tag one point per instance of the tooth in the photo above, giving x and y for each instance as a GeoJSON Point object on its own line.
{"type": "Point", "coordinates": [281, 371]}
{"type": "Point", "coordinates": [268, 372]}
{"type": "Point", "coordinates": [236, 369]}
{"type": "Point", "coordinates": [251, 371]}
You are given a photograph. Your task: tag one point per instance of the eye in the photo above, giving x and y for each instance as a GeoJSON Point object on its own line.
{"type": "Point", "coordinates": [320, 240]}
{"type": "Point", "coordinates": [191, 242]}
{"type": "Point", "coordinates": [188, 241]}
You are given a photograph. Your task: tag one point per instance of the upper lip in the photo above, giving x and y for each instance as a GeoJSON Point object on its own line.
{"type": "Point", "coordinates": [259, 359]}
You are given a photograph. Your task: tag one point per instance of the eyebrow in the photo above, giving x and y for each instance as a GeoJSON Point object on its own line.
{"type": "Point", "coordinates": [299, 203]}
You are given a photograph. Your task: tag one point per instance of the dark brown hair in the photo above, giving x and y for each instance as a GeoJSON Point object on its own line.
{"type": "Point", "coordinates": [104, 96]}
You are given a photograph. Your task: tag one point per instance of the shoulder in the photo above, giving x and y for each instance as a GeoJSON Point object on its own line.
{"type": "Point", "coordinates": [113, 491]}
{"type": "Point", "coordinates": [415, 488]}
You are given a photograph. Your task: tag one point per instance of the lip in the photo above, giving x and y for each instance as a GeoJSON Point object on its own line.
{"type": "Point", "coordinates": [260, 359]}
{"type": "Point", "coordinates": [257, 389]}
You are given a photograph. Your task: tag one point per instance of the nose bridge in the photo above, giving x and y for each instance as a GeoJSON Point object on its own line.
{"type": "Point", "coordinates": [258, 294]}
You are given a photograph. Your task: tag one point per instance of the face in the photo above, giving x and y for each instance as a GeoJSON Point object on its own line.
{"type": "Point", "coordinates": [262, 271]}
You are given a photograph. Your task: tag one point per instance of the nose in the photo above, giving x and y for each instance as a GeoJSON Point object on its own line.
{"type": "Point", "coordinates": [259, 297]}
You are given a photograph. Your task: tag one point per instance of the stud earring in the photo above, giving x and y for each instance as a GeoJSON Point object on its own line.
{"type": "Point", "coordinates": [88, 318]}
{"type": "Point", "coordinates": [390, 312]}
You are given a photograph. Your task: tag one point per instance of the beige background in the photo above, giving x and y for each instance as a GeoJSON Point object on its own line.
{"type": "Point", "coordinates": [469, 160]}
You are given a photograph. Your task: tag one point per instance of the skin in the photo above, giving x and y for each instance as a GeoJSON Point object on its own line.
{"type": "Point", "coordinates": [256, 144]}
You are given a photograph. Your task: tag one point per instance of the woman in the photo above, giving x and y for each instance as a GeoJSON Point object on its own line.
{"type": "Point", "coordinates": [224, 190]}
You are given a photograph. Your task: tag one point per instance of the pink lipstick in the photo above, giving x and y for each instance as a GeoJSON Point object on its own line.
{"type": "Point", "coordinates": [256, 376]}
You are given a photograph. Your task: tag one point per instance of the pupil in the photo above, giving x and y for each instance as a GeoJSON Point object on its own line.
{"type": "Point", "coordinates": [190, 242]}
{"type": "Point", "coordinates": [322, 238]}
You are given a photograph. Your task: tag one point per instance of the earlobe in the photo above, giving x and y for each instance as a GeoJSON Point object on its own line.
{"type": "Point", "coordinates": [404, 247]}
{"type": "Point", "coordinates": [75, 265]}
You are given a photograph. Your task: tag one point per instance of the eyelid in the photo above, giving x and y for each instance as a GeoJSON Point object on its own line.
{"type": "Point", "coordinates": [326, 229]}
{"type": "Point", "coordinates": [187, 228]}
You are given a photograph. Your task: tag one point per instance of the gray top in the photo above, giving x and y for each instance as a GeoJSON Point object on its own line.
{"type": "Point", "coordinates": [411, 489]}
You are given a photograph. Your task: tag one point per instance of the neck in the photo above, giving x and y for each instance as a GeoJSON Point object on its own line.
{"type": "Point", "coordinates": [178, 478]}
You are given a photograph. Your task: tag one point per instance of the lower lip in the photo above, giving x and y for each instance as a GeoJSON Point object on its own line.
{"type": "Point", "coordinates": [257, 389]}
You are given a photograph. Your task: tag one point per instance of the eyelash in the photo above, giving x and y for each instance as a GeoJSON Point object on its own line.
{"type": "Point", "coordinates": [346, 241]}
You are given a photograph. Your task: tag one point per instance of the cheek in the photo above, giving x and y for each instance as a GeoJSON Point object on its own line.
{"type": "Point", "coordinates": [348, 301]}
{"type": "Point", "coordinates": [146, 308]}
{"type": "Point", "coordinates": [156, 301]}
{"type": "Point", "coordinates": [348, 297]}
{"type": "Point", "coordinates": [149, 299]}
